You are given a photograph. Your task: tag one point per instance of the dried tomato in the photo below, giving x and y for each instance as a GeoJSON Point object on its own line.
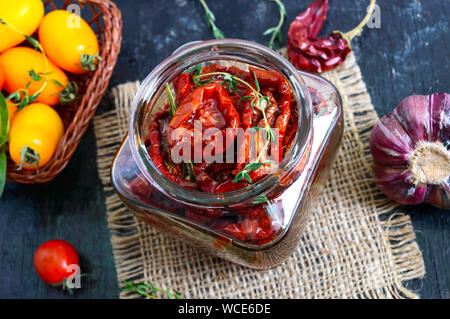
{"type": "Point", "coordinates": [271, 79]}
{"type": "Point", "coordinates": [183, 85]}
{"type": "Point", "coordinates": [154, 139]}
{"type": "Point", "coordinates": [213, 97]}
{"type": "Point", "coordinates": [212, 106]}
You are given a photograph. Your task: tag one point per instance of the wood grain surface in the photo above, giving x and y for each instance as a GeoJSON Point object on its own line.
{"type": "Point", "coordinates": [407, 55]}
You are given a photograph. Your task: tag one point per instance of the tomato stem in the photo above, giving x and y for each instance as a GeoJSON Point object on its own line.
{"type": "Point", "coordinates": [88, 62]}
{"type": "Point", "coordinates": [29, 157]}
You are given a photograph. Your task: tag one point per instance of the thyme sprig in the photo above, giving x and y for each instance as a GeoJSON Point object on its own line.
{"type": "Point", "coordinates": [276, 30]}
{"type": "Point", "coordinates": [259, 101]}
{"type": "Point", "coordinates": [171, 99]}
{"type": "Point", "coordinates": [21, 97]}
{"type": "Point", "coordinates": [37, 76]}
{"type": "Point", "coordinates": [149, 290]}
{"type": "Point", "coordinates": [211, 20]}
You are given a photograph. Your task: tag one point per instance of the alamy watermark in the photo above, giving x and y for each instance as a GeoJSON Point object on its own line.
{"type": "Point", "coordinates": [74, 20]}
{"type": "Point", "coordinates": [375, 19]}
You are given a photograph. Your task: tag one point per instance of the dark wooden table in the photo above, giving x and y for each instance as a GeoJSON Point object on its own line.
{"type": "Point", "coordinates": [407, 55]}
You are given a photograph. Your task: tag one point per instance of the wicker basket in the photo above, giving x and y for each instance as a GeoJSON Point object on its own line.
{"type": "Point", "coordinates": [106, 21]}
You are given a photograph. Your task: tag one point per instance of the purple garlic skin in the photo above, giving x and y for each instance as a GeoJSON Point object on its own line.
{"type": "Point", "coordinates": [410, 147]}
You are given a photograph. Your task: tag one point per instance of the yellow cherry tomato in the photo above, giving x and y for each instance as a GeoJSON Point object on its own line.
{"type": "Point", "coordinates": [2, 78]}
{"type": "Point", "coordinates": [18, 62]}
{"type": "Point", "coordinates": [39, 115]}
{"type": "Point", "coordinates": [25, 15]}
{"type": "Point", "coordinates": [12, 109]}
{"type": "Point", "coordinates": [66, 37]}
{"type": "Point", "coordinates": [39, 144]}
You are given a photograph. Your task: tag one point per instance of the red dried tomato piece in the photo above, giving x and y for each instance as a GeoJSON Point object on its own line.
{"type": "Point", "coordinates": [213, 108]}
{"type": "Point", "coordinates": [183, 85]}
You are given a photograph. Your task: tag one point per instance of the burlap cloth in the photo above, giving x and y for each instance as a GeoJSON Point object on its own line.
{"type": "Point", "coordinates": [356, 245]}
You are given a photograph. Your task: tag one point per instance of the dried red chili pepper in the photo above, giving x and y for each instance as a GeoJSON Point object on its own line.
{"type": "Point", "coordinates": [309, 53]}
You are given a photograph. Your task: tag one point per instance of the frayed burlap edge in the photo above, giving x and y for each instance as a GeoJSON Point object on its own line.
{"type": "Point", "coordinates": [396, 228]}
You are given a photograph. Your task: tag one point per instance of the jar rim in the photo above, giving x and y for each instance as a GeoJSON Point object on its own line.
{"type": "Point", "coordinates": [187, 56]}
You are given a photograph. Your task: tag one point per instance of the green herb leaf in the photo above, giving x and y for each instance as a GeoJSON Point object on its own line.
{"type": "Point", "coordinates": [33, 97]}
{"type": "Point", "coordinates": [58, 83]}
{"type": "Point", "coordinates": [24, 102]}
{"type": "Point", "coordinates": [4, 116]}
{"type": "Point", "coordinates": [35, 43]}
{"type": "Point", "coordinates": [184, 172]}
{"type": "Point", "coordinates": [255, 128]}
{"type": "Point", "coordinates": [271, 135]}
{"type": "Point", "coordinates": [218, 34]}
{"type": "Point", "coordinates": [246, 97]}
{"type": "Point", "coordinates": [2, 171]}
{"type": "Point", "coordinates": [253, 166]}
{"type": "Point", "coordinates": [282, 8]}
{"type": "Point", "coordinates": [211, 19]}
{"type": "Point", "coordinates": [15, 97]}
{"type": "Point", "coordinates": [276, 31]}
{"type": "Point", "coordinates": [198, 70]}
{"type": "Point", "coordinates": [270, 30]}
{"type": "Point", "coordinates": [190, 167]}
{"type": "Point", "coordinates": [149, 290]}
{"type": "Point", "coordinates": [34, 75]}
{"type": "Point", "coordinates": [261, 200]}
{"type": "Point", "coordinates": [188, 171]}
{"type": "Point", "coordinates": [256, 82]}
{"type": "Point", "coordinates": [239, 176]}
{"type": "Point", "coordinates": [195, 70]}
{"type": "Point", "coordinates": [171, 99]}
{"type": "Point", "coordinates": [178, 295]}
{"type": "Point", "coordinates": [280, 37]}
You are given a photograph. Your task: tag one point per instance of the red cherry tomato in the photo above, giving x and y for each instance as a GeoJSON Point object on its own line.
{"type": "Point", "coordinates": [52, 258]}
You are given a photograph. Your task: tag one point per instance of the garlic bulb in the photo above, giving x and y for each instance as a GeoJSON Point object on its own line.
{"type": "Point", "coordinates": [410, 148]}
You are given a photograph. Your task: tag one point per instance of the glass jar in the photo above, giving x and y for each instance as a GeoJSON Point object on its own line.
{"type": "Point", "coordinates": [226, 224]}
